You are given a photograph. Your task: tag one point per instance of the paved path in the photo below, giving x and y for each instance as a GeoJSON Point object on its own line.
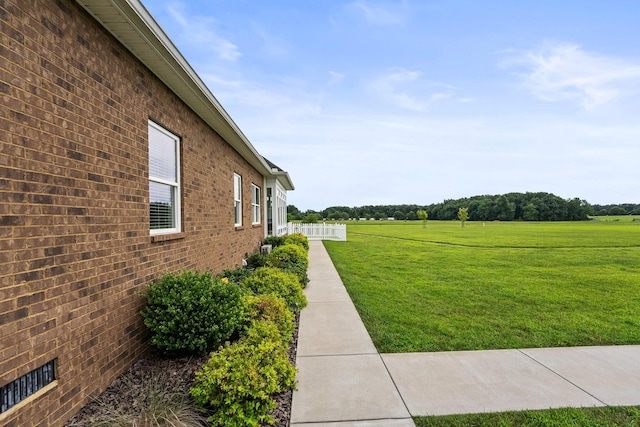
{"type": "Point", "coordinates": [344, 382]}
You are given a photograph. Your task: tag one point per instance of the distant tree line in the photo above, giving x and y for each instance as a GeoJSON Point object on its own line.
{"type": "Point", "coordinates": [514, 206]}
{"type": "Point", "coordinates": [623, 209]}
{"type": "Point", "coordinates": [506, 207]}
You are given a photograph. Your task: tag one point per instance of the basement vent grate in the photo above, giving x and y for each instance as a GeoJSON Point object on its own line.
{"type": "Point", "coordinates": [28, 384]}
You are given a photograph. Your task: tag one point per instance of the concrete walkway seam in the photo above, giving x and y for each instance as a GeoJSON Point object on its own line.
{"type": "Point", "coordinates": [393, 380]}
{"type": "Point", "coordinates": [562, 376]}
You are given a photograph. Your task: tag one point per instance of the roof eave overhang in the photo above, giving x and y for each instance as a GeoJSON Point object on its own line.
{"type": "Point", "coordinates": [131, 23]}
{"type": "Point", "coordinates": [284, 179]}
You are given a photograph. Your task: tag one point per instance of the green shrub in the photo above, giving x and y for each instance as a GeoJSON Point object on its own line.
{"type": "Point", "coordinates": [235, 275]}
{"type": "Point", "coordinates": [191, 313]}
{"type": "Point", "coordinates": [270, 308]}
{"type": "Point", "coordinates": [290, 258]}
{"type": "Point", "coordinates": [262, 330]}
{"type": "Point", "coordinates": [268, 280]}
{"type": "Point", "coordinates": [274, 241]}
{"type": "Point", "coordinates": [297, 239]}
{"type": "Point", "coordinates": [237, 382]}
{"type": "Point", "coordinates": [256, 260]}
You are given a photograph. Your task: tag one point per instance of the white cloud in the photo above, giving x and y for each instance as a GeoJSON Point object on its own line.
{"type": "Point", "coordinates": [201, 31]}
{"type": "Point", "coordinates": [386, 158]}
{"type": "Point", "coordinates": [380, 14]}
{"type": "Point", "coordinates": [405, 89]}
{"type": "Point", "coordinates": [351, 131]}
{"type": "Point", "coordinates": [562, 71]}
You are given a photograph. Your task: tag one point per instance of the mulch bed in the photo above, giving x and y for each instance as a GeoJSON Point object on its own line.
{"type": "Point", "coordinates": [175, 374]}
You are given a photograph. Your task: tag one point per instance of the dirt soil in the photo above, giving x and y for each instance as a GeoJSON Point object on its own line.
{"type": "Point", "coordinates": [175, 374]}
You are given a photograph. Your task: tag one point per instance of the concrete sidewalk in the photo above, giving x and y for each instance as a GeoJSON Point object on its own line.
{"type": "Point", "coordinates": [344, 382]}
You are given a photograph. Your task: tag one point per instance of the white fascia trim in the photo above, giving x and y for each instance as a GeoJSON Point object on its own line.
{"type": "Point", "coordinates": [162, 57]}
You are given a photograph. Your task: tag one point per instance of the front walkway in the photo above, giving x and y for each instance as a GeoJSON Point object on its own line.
{"type": "Point", "coordinates": [344, 382]}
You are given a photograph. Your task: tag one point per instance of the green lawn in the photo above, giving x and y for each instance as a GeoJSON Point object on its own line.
{"type": "Point", "coordinates": [619, 218]}
{"type": "Point", "coordinates": [582, 417]}
{"type": "Point", "coordinates": [494, 285]}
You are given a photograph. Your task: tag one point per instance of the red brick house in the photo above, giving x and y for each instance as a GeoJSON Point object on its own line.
{"type": "Point", "coordinates": [116, 164]}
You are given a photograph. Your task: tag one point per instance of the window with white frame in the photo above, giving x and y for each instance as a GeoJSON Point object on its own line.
{"type": "Point", "coordinates": [281, 215]}
{"type": "Point", "coordinates": [237, 199]}
{"type": "Point", "coordinates": [255, 204]}
{"type": "Point", "coordinates": [164, 180]}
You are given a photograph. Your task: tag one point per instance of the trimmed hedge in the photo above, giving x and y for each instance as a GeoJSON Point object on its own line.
{"type": "Point", "coordinates": [256, 260]}
{"type": "Point", "coordinates": [196, 313]}
{"type": "Point", "coordinates": [274, 241]}
{"type": "Point", "coordinates": [290, 258]}
{"type": "Point", "coordinates": [191, 313]}
{"type": "Point", "coordinates": [270, 308]}
{"type": "Point", "coordinates": [297, 239]}
{"type": "Point", "coordinates": [236, 275]}
{"type": "Point", "coordinates": [237, 383]}
{"type": "Point", "coordinates": [269, 280]}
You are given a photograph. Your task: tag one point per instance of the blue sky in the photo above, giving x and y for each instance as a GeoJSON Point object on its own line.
{"type": "Point", "coordinates": [416, 101]}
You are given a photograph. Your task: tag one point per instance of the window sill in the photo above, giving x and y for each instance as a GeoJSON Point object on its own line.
{"type": "Point", "coordinates": [256, 225]}
{"type": "Point", "coordinates": [239, 227]}
{"type": "Point", "coordinates": [166, 237]}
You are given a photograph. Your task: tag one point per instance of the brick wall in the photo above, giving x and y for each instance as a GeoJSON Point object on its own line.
{"type": "Point", "coordinates": [75, 249]}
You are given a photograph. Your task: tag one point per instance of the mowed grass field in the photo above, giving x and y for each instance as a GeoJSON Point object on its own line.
{"type": "Point", "coordinates": [569, 417]}
{"type": "Point", "coordinates": [495, 285]}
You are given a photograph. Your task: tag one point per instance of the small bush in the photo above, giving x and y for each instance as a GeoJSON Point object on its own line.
{"type": "Point", "coordinates": [235, 276]}
{"type": "Point", "coordinates": [274, 241]}
{"type": "Point", "coordinates": [191, 313]}
{"type": "Point", "coordinates": [268, 280]}
{"type": "Point", "coordinates": [238, 381]}
{"type": "Point", "coordinates": [270, 308]}
{"type": "Point", "coordinates": [290, 258]}
{"type": "Point", "coordinates": [297, 239]}
{"type": "Point", "coordinates": [262, 330]}
{"type": "Point", "coordinates": [256, 260]}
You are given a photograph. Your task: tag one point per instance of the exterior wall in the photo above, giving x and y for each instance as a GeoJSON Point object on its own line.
{"type": "Point", "coordinates": [75, 247]}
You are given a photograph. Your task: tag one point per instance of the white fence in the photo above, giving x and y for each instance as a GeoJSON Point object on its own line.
{"type": "Point", "coordinates": [320, 231]}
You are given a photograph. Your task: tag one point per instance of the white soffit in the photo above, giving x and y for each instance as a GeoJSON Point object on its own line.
{"type": "Point", "coordinates": [131, 23]}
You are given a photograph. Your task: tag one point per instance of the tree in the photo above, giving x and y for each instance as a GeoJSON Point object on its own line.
{"type": "Point", "coordinates": [463, 215]}
{"type": "Point", "coordinates": [504, 209]}
{"type": "Point", "coordinates": [311, 218]}
{"type": "Point", "coordinates": [578, 210]}
{"type": "Point", "coordinates": [423, 215]}
{"type": "Point", "coordinates": [485, 209]}
{"type": "Point", "coordinates": [617, 210]}
{"type": "Point", "coordinates": [293, 213]}
{"type": "Point", "coordinates": [530, 212]}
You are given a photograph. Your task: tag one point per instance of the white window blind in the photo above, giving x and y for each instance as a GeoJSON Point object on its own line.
{"type": "Point", "coordinates": [164, 180]}
{"type": "Point", "coordinates": [237, 199]}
